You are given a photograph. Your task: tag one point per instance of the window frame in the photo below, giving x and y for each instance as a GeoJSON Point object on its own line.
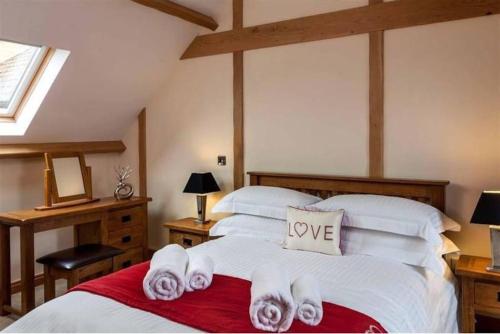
{"type": "Point", "coordinates": [29, 79]}
{"type": "Point", "coordinates": [38, 89]}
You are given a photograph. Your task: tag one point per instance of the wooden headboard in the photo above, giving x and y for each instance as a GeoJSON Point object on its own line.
{"type": "Point", "coordinates": [324, 186]}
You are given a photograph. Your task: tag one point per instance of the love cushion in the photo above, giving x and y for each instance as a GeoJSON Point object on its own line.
{"type": "Point", "coordinates": [314, 231]}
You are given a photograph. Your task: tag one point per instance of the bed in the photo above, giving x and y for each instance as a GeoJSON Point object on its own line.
{"type": "Point", "coordinates": [400, 297]}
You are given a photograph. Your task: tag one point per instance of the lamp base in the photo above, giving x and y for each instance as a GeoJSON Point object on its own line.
{"type": "Point", "coordinates": [495, 249]}
{"type": "Point", "coordinates": [493, 269]}
{"type": "Point", "coordinates": [197, 221]}
{"type": "Point", "coordinates": [201, 203]}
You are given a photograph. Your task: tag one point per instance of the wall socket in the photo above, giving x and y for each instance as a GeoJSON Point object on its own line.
{"type": "Point", "coordinates": [221, 160]}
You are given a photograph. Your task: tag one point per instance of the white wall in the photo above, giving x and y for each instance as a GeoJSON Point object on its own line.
{"type": "Point", "coordinates": [121, 53]}
{"type": "Point", "coordinates": [443, 113]}
{"type": "Point", "coordinates": [306, 110]}
{"type": "Point", "coordinates": [306, 107]}
{"type": "Point", "coordinates": [189, 125]}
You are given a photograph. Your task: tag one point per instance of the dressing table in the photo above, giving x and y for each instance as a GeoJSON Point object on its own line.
{"type": "Point", "coordinates": [122, 224]}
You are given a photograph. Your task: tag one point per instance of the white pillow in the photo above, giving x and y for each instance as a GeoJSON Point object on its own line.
{"type": "Point", "coordinates": [391, 214]}
{"type": "Point", "coordinates": [448, 246]}
{"type": "Point", "coordinates": [404, 249]}
{"type": "Point", "coordinates": [269, 229]}
{"type": "Point", "coordinates": [263, 201]}
{"type": "Point", "coordinates": [314, 231]}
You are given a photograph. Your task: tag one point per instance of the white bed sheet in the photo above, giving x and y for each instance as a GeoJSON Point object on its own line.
{"type": "Point", "coordinates": [400, 297]}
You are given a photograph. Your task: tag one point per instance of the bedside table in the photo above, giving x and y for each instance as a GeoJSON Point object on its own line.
{"type": "Point", "coordinates": [187, 233]}
{"type": "Point", "coordinates": [480, 290]}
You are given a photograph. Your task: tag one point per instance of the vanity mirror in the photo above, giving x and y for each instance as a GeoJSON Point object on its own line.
{"type": "Point", "coordinates": [67, 180]}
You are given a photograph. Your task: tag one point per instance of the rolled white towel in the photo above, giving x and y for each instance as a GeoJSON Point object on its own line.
{"type": "Point", "coordinates": [166, 275]}
{"type": "Point", "coordinates": [307, 298]}
{"type": "Point", "coordinates": [199, 272]}
{"type": "Point", "coordinates": [271, 305]}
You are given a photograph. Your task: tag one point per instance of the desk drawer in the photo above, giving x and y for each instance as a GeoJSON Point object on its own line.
{"type": "Point", "coordinates": [129, 258]}
{"type": "Point", "coordinates": [186, 240]}
{"type": "Point", "coordinates": [127, 238]}
{"type": "Point", "coordinates": [487, 295]}
{"type": "Point", "coordinates": [125, 218]}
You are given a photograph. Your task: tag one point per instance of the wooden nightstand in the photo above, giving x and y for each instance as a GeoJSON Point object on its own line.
{"type": "Point", "coordinates": [480, 291]}
{"type": "Point", "coordinates": [187, 233]}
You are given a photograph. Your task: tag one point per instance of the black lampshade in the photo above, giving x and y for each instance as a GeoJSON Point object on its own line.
{"type": "Point", "coordinates": [201, 183]}
{"type": "Point", "coordinates": [487, 209]}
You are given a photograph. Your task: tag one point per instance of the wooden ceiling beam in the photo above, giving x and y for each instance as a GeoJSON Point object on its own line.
{"type": "Point", "coordinates": [11, 151]}
{"type": "Point", "coordinates": [360, 20]}
{"type": "Point", "coordinates": [180, 11]}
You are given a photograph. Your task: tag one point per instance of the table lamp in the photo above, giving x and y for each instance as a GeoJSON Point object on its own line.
{"type": "Point", "coordinates": [488, 212]}
{"type": "Point", "coordinates": [201, 184]}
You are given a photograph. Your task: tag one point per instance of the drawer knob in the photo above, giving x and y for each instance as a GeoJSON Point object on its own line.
{"type": "Point", "coordinates": [187, 242]}
{"type": "Point", "coordinates": [126, 264]}
{"type": "Point", "coordinates": [126, 219]}
{"type": "Point", "coordinates": [126, 239]}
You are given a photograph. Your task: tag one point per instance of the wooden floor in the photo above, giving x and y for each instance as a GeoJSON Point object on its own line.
{"type": "Point", "coordinates": [16, 302]}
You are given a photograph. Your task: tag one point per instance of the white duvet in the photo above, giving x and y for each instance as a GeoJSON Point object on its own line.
{"type": "Point", "coordinates": [400, 297]}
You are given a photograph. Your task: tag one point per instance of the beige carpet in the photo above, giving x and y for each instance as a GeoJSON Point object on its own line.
{"type": "Point", "coordinates": [16, 302]}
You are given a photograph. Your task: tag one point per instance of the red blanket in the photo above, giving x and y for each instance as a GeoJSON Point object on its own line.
{"type": "Point", "coordinates": [223, 307]}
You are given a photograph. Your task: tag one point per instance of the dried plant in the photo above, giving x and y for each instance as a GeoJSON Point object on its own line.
{"type": "Point", "coordinates": [123, 190]}
{"type": "Point", "coordinates": [123, 173]}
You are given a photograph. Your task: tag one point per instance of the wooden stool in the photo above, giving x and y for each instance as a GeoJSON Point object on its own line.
{"type": "Point", "coordinates": [75, 264]}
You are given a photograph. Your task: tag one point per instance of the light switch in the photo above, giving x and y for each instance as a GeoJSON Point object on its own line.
{"type": "Point", "coordinates": [221, 160]}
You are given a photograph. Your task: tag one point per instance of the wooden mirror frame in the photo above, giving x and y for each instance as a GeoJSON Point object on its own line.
{"type": "Point", "coordinates": [52, 198]}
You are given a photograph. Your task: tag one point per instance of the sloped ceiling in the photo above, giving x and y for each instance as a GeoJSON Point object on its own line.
{"type": "Point", "coordinates": [121, 54]}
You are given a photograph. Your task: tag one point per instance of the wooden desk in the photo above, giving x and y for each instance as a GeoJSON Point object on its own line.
{"type": "Point", "coordinates": [122, 224]}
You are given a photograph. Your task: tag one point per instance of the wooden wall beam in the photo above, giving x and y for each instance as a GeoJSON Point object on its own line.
{"type": "Point", "coordinates": [237, 14]}
{"type": "Point", "coordinates": [143, 179]}
{"type": "Point", "coordinates": [238, 115]}
{"type": "Point", "coordinates": [376, 111]}
{"type": "Point", "coordinates": [180, 11]}
{"type": "Point", "coordinates": [383, 16]}
{"type": "Point", "coordinates": [10, 151]}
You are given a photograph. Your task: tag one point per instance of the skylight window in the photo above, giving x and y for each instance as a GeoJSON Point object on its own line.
{"type": "Point", "coordinates": [26, 74]}
{"type": "Point", "coordinates": [18, 65]}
